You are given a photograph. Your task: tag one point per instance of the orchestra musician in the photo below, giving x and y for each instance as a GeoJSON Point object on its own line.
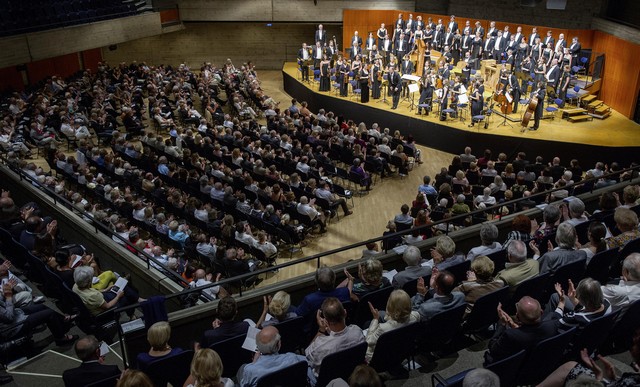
{"type": "Point", "coordinates": [342, 75]}
{"type": "Point", "coordinates": [506, 35]}
{"type": "Point", "coordinates": [534, 35]}
{"type": "Point", "coordinates": [514, 89]}
{"type": "Point", "coordinates": [399, 23]}
{"type": "Point", "coordinates": [466, 70]}
{"type": "Point", "coordinates": [426, 93]}
{"type": "Point", "coordinates": [325, 82]}
{"type": "Point", "coordinates": [356, 45]}
{"type": "Point", "coordinates": [363, 82]}
{"type": "Point", "coordinates": [467, 28]}
{"type": "Point", "coordinates": [394, 86]}
{"type": "Point", "coordinates": [455, 48]}
{"type": "Point", "coordinates": [561, 43]}
{"type": "Point", "coordinates": [438, 38]}
{"type": "Point", "coordinates": [376, 76]}
{"type": "Point", "coordinates": [331, 51]}
{"type": "Point", "coordinates": [369, 43]}
{"type": "Point", "coordinates": [407, 68]}
{"type": "Point", "coordinates": [418, 35]}
{"type": "Point", "coordinates": [419, 23]}
{"type": "Point", "coordinates": [487, 47]}
{"type": "Point", "coordinates": [479, 30]}
{"type": "Point", "coordinates": [536, 50]}
{"type": "Point", "coordinates": [453, 25]}
{"type": "Point", "coordinates": [431, 24]}
{"type": "Point", "coordinates": [477, 100]}
{"type": "Point", "coordinates": [552, 74]}
{"type": "Point", "coordinates": [410, 25]}
{"type": "Point", "coordinates": [510, 58]}
{"type": "Point", "coordinates": [493, 31]}
{"type": "Point", "coordinates": [466, 42]}
{"type": "Point", "coordinates": [386, 48]}
{"type": "Point", "coordinates": [526, 69]}
{"type": "Point", "coordinates": [521, 52]}
{"type": "Point", "coordinates": [512, 44]}
{"type": "Point", "coordinates": [574, 51]}
{"type": "Point", "coordinates": [356, 65]}
{"type": "Point", "coordinates": [321, 36]}
{"type": "Point", "coordinates": [540, 71]}
{"type": "Point", "coordinates": [428, 37]}
{"type": "Point", "coordinates": [318, 53]}
{"type": "Point", "coordinates": [476, 46]}
{"type": "Point", "coordinates": [455, 94]}
{"type": "Point", "coordinates": [444, 100]}
{"type": "Point", "coordinates": [518, 35]}
{"type": "Point", "coordinates": [541, 93]}
{"type": "Point", "coordinates": [382, 34]}
{"type": "Point", "coordinates": [448, 38]}
{"type": "Point", "coordinates": [304, 55]}
{"type": "Point", "coordinates": [547, 55]}
{"type": "Point", "coordinates": [498, 47]}
{"type": "Point", "coordinates": [373, 53]}
{"type": "Point", "coordinates": [549, 40]}
{"type": "Point", "coordinates": [401, 46]}
{"type": "Point", "coordinates": [563, 85]}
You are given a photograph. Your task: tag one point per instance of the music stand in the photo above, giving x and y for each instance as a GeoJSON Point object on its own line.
{"type": "Point", "coordinates": [409, 78]}
{"type": "Point", "coordinates": [384, 84]}
{"type": "Point", "coordinates": [504, 117]}
{"type": "Point", "coordinates": [413, 88]}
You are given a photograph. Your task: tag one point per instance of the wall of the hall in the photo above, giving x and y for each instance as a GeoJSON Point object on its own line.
{"type": "Point", "coordinates": [280, 10]}
{"type": "Point", "coordinates": [577, 14]}
{"type": "Point", "coordinates": [267, 47]}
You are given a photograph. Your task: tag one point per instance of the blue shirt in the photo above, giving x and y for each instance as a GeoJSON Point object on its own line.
{"type": "Point", "coordinates": [312, 302]}
{"type": "Point", "coordinates": [427, 189]}
{"type": "Point", "coordinates": [267, 364]}
{"type": "Point", "coordinates": [163, 169]}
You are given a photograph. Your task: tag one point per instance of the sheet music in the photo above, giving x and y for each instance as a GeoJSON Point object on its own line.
{"type": "Point", "coordinates": [413, 87]}
{"type": "Point", "coordinates": [390, 274]}
{"type": "Point", "coordinates": [410, 77]}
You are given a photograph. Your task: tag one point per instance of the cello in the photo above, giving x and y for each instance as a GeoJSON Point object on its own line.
{"type": "Point", "coordinates": [531, 108]}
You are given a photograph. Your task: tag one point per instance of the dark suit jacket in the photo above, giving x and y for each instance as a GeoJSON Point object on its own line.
{"type": "Point", "coordinates": [322, 40]}
{"type": "Point", "coordinates": [88, 373]}
{"type": "Point", "coordinates": [508, 341]}
{"type": "Point", "coordinates": [226, 330]}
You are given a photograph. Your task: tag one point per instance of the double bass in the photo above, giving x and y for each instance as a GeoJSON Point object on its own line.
{"type": "Point", "coordinates": [501, 99]}
{"type": "Point", "coordinates": [531, 108]}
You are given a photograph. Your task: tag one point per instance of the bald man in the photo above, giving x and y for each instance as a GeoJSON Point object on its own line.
{"type": "Point", "coordinates": [268, 360]}
{"type": "Point", "coordinates": [512, 337]}
{"type": "Point", "coordinates": [201, 278]}
{"type": "Point", "coordinates": [92, 368]}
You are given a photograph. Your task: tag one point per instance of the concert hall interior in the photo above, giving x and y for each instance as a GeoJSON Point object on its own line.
{"type": "Point", "coordinates": [236, 148]}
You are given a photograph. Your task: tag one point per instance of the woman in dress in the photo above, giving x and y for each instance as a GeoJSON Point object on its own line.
{"type": "Point", "coordinates": [325, 83]}
{"type": "Point", "coordinates": [521, 52]}
{"type": "Point", "coordinates": [364, 84]}
{"type": "Point", "coordinates": [375, 71]}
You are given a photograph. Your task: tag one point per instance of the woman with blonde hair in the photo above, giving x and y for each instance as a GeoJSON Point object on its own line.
{"type": "Point", "coordinates": [158, 337]}
{"type": "Point", "coordinates": [206, 370]}
{"type": "Point", "coordinates": [134, 378]}
{"type": "Point", "coordinates": [479, 281]}
{"type": "Point", "coordinates": [369, 279]}
{"type": "Point", "coordinates": [397, 315]}
{"type": "Point", "coordinates": [279, 307]}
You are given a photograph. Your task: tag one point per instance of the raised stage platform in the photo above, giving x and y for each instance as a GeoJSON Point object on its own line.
{"type": "Point", "coordinates": [614, 139]}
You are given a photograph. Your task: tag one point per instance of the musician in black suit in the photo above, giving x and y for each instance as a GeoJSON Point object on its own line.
{"type": "Point", "coordinates": [369, 43]}
{"type": "Point", "coordinates": [498, 47]}
{"type": "Point", "coordinates": [518, 35]}
{"type": "Point", "coordinates": [410, 25]}
{"type": "Point", "coordinates": [506, 34]}
{"type": "Point", "coordinates": [574, 50]}
{"type": "Point", "coordinates": [419, 23]}
{"type": "Point", "coordinates": [401, 46]}
{"type": "Point", "coordinates": [493, 31]}
{"type": "Point", "coordinates": [479, 28]}
{"type": "Point", "coordinates": [533, 36]}
{"type": "Point", "coordinates": [477, 101]}
{"type": "Point", "coordinates": [515, 92]}
{"type": "Point", "coordinates": [553, 74]}
{"type": "Point", "coordinates": [91, 370]}
{"type": "Point", "coordinates": [438, 38]}
{"type": "Point", "coordinates": [304, 55]}
{"type": "Point", "coordinates": [563, 85]}
{"type": "Point", "coordinates": [487, 47]}
{"type": "Point", "coordinates": [399, 23]}
{"type": "Point", "coordinates": [444, 101]}
{"type": "Point", "coordinates": [381, 34]}
{"type": "Point", "coordinates": [426, 94]}
{"type": "Point", "coordinates": [549, 41]}
{"type": "Point", "coordinates": [394, 87]}
{"type": "Point", "coordinates": [407, 68]}
{"type": "Point", "coordinates": [453, 25]}
{"type": "Point", "coordinates": [467, 28]}
{"type": "Point", "coordinates": [541, 93]}
{"type": "Point", "coordinates": [321, 36]}
{"type": "Point", "coordinates": [465, 43]}
{"type": "Point", "coordinates": [386, 48]}
{"type": "Point", "coordinates": [356, 45]}
{"type": "Point", "coordinates": [448, 38]}
{"type": "Point", "coordinates": [318, 53]}
{"type": "Point", "coordinates": [561, 44]}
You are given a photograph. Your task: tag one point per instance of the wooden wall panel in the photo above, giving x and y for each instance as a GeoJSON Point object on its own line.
{"type": "Point", "coordinates": [62, 66]}
{"type": "Point", "coordinates": [91, 58]}
{"type": "Point", "coordinates": [169, 15]}
{"type": "Point", "coordinates": [10, 79]}
{"type": "Point", "coordinates": [621, 78]}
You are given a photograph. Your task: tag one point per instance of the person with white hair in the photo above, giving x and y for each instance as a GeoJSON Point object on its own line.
{"type": "Point", "coordinates": [627, 290]}
{"type": "Point", "coordinates": [267, 359]}
{"type": "Point", "coordinates": [481, 377]}
{"type": "Point", "coordinates": [489, 237]}
{"type": "Point", "coordinates": [563, 254]}
{"type": "Point", "coordinates": [485, 198]}
{"type": "Point", "coordinates": [574, 212]}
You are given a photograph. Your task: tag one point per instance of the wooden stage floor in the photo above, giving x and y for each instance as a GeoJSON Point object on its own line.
{"type": "Point", "coordinates": [614, 131]}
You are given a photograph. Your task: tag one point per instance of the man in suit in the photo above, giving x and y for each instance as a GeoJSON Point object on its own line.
{"type": "Point", "coordinates": [511, 337]}
{"type": "Point", "coordinates": [438, 38]}
{"type": "Point", "coordinates": [574, 50]}
{"type": "Point", "coordinates": [386, 48]}
{"type": "Point", "coordinates": [453, 25]}
{"type": "Point", "coordinates": [533, 36]}
{"type": "Point", "coordinates": [321, 35]}
{"type": "Point", "coordinates": [512, 81]}
{"type": "Point", "coordinates": [498, 47]}
{"type": "Point", "coordinates": [561, 44]}
{"type": "Point", "coordinates": [92, 368]}
{"type": "Point", "coordinates": [401, 46]}
{"type": "Point", "coordinates": [487, 47]}
{"type": "Point", "coordinates": [553, 74]}
{"type": "Point", "coordinates": [356, 45]}
{"type": "Point", "coordinates": [224, 327]}
{"type": "Point", "coordinates": [465, 44]}
{"type": "Point", "coordinates": [564, 254]}
{"type": "Point", "coordinates": [394, 87]}
{"type": "Point", "coordinates": [480, 29]}
{"type": "Point", "coordinates": [304, 54]}
{"type": "Point", "coordinates": [399, 23]}
{"type": "Point", "coordinates": [369, 43]}
{"type": "Point", "coordinates": [441, 297]}
{"type": "Point", "coordinates": [506, 34]}
{"type": "Point", "coordinates": [549, 41]}
{"type": "Point", "coordinates": [407, 68]}
{"type": "Point", "coordinates": [448, 38]}
{"type": "Point", "coordinates": [410, 25]}
{"type": "Point", "coordinates": [518, 35]}
{"type": "Point", "coordinates": [318, 52]}
{"type": "Point", "coordinates": [493, 31]}
{"type": "Point", "coordinates": [541, 93]}
{"type": "Point", "coordinates": [467, 28]}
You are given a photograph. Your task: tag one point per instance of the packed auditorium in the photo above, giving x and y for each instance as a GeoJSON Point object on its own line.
{"type": "Point", "coordinates": [319, 193]}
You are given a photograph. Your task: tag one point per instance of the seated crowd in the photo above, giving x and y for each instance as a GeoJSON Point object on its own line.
{"type": "Point", "coordinates": [222, 192]}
